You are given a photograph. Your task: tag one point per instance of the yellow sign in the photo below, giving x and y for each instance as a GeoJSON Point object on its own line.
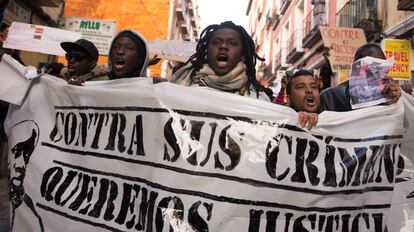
{"type": "Point", "coordinates": [400, 50]}
{"type": "Point", "coordinates": [344, 75]}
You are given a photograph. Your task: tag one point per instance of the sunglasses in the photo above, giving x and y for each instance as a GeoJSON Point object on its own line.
{"type": "Point", "coordinates": [77, 56]}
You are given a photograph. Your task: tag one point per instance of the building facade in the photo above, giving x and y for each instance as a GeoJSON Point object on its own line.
{"type": "Point", "coordinates": [287, 31]}
{"type": "Point", "coordinates": [184, 24]}
{"type": "Point", "coordinates": [40, 12]}
{"type": "Point", "coordinates": [398, 23]}
{"type": "Point", "coordinates": [154, 19]}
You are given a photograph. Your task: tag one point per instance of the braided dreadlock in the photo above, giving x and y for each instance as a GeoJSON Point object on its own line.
{"type": "Point", "coordinates": [199, 58]}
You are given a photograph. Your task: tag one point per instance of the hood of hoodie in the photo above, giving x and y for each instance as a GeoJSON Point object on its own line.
{"type": "Point", "coordinates": [143, 72]}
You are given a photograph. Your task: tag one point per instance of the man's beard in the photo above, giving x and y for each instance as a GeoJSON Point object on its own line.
{"type": "Point", "coordinates": [16, 189]}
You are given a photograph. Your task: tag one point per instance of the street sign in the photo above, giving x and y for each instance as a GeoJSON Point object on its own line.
{"type": "Point", "coordinates": [100, 32]}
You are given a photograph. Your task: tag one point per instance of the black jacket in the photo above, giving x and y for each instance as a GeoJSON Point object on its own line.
{"type": "Point", "coordinates": [336, 99]}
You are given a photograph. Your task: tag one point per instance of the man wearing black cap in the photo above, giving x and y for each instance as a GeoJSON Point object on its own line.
{"type": "Point", "coordinates": [82, 56]}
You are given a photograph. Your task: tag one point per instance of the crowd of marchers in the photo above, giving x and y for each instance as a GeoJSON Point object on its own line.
{"type": "Point", "coordinates": [225, 60]}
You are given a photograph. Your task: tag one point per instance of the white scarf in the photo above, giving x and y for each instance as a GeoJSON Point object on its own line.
{"type": "Point", "coordinates": [234, 80]}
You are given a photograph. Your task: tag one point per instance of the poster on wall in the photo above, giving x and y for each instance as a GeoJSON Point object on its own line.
{"type": "Point", "coordinates": [100, 32]}
{"type": "Point", "coordinates": [400, 49]}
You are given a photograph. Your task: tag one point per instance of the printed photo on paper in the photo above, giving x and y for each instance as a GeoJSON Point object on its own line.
{"type": "Point", "coordinates": [368, 78]}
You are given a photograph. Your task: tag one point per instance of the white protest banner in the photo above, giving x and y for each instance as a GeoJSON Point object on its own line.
{"type": "Point", "coordinates": [14, 91]}
{"type": "Point", "coordinates": [37, 38]}
{"type": "Point", "coordinates": [127, 155]}
{"type": "Point", "coordinates": [175, 50]}
{"type": "Point", "coordinates": [100, 32]}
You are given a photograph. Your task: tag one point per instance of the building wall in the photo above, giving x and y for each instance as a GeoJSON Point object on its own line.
{"type": "Point", "coordinates": [313, 55]}
{"type": "Point", "coordinates": [398, 23]}
{"type": "Point", "coordinates": [154, 19]}
{"type": "Point", "coordinates": [149, 17]}
{"type": "Point", "coordinates": [190, 22]}
{"type": "Point", "coordinates": [290, 27]}
{"type": "Point", "coordinates": [392, 16]}
{"type": "Point", "coordinates": [340, 4]}
{"type": "Point", "coordinates": [180, 16]}
{"type": "Point", "coordinates": [393, 24]}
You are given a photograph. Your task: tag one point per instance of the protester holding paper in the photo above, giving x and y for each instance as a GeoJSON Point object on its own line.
{"type": "Point", "coordinates": [368, 79]}
{"type": "Point", "coordinates": [338, 98]}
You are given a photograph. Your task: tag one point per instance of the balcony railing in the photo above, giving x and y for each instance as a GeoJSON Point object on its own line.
{"type": "Point", "coordinates": [268, 20]}
{"type": "Point", "coordinates": [280, 59]}
{"type": "Point", "coordinates": [405, 5]}
{"type": "Point", "coordinates": [309, 23]}
{"type": "Point", "coordinates": [184, 29]}
{"type": "Point", "coordinates": [294, 48]}
{"type": "Point", "coordinates": [312, 21]}
{"type": "Point", "coordinates": [190, 9]}
{"type": "Point", "coordinates": [292, 41]}
{"type": "Point", "coordinates": [284, 6]}
{"type": "Point", "coordinates": [275, 21]}
{"type": "Point", "coordinates": [179, 11]}
{"type": "Point", "coordinates": [360, 14]}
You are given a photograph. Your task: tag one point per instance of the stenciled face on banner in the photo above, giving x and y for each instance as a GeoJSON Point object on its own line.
{"type": "Point", "coordinates": [21, 151]}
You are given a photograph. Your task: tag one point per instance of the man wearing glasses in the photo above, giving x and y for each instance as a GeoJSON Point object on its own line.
{"type": "Point", "coordinates": [82, 56]}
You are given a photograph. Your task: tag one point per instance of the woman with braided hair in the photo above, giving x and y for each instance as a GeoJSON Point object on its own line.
{"type": "Point", "coordinates": [225, 60]}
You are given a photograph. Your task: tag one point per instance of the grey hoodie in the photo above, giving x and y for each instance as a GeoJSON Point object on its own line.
{"type": "Point", "coordinates": [137, 38]}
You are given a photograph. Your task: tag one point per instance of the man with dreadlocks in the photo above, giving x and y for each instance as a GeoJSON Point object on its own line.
{"type": "Point", "coordinates": [225, 60]}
